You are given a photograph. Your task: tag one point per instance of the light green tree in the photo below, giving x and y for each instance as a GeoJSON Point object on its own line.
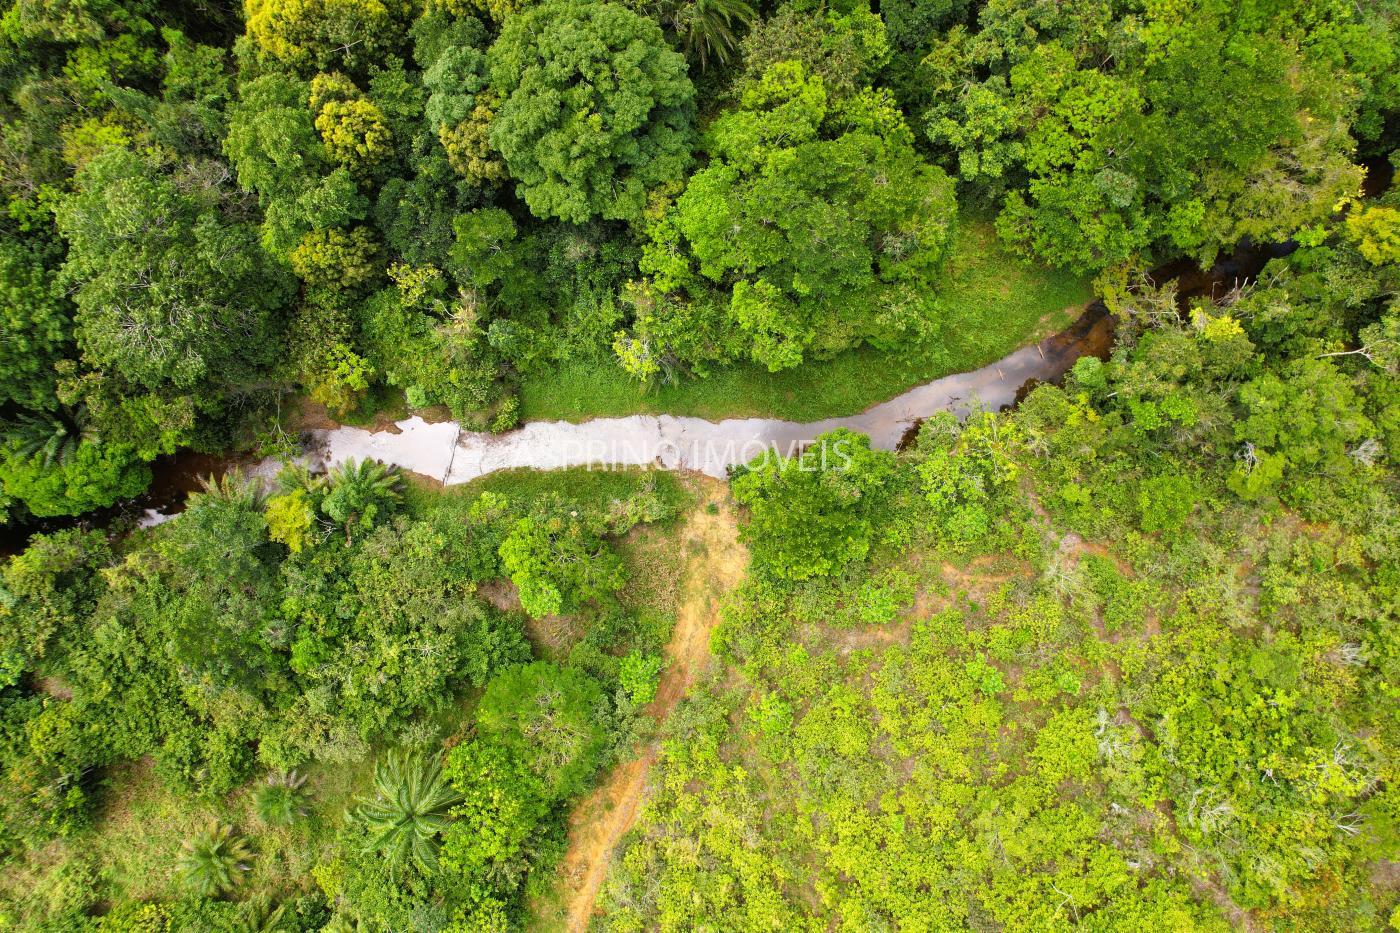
{"type": "Point", "coordinates": [811, 514]}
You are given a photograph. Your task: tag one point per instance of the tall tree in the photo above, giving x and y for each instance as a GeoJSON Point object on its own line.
{"type": "Point", "coordinates": [595, 109]}
{"type": "Point", "coordinates": [821, 222]}
{"type": "Point", "coordinates": [170, 295]}
{"type": "Point", "coordinates": [35, 326]}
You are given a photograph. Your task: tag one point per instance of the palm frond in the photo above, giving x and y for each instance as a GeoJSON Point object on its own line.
{"type": "Point", "coordinates": [213, 861]}
{"type": "Point", "coordinates": [54, 438]}
{"type": "Point", "coordinates": [410, 807]}
{"type": "Point", "coordinates": [232, 488]}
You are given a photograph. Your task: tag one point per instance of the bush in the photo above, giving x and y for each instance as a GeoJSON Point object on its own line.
{"type": "Point", "coordinates": [811, 514]}
{"type": "Point", "coordinates": [639, 675]}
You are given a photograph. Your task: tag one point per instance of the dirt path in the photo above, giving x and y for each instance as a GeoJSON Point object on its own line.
{"type": "Point", "coordinates": [715, 563]}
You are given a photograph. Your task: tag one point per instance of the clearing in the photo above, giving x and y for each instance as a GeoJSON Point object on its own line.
{"type": "Point", "coordinates": [714, 564]}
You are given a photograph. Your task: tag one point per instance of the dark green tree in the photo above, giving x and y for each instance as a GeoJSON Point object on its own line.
{"type": "Point", "coordinates": [545, 716]}
{"type": "Point", "coordinates": [1178, 133]}
{"type": "Point", "coordinates": [360, 492]}
{"type": "Point", "coordinates": [409, 809]}
{"type": "Point", "coordinates": [35, 326]}
{"type": "Point", "coordinates": [821, 222]}
{"type": "Point", "coordinates": [595, 109]}
{"type": "Point", "coordinates": [169, 294]}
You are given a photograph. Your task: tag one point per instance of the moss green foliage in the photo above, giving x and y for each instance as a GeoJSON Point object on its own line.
{"type": "Point", "coordinates": [968, 476]}
{"type": "Point", "coordinates": [638, 674]}
{"type": "Point", "coordinates": [1376, 232]}
{"type": "Point", "coordinates": [545, 716]}
{"type": "Point", "coordinates": [35, 325]}
{"type": "Point", "coordinates": [47, 589]}
{"type": "Point", "coordinates": [1122, 658]}
{"type": "Point", "coordinates": [843, 44]}
{"type": "Point", "coordinates": [556, 560]}
{"type": "Point", "coordinates": [342, 259]}
{"type": "Point", "coordinates": [354, 132]}
{"type": "Point", "coordinates": [594, 81]}
{"type": "Point", "coordinates": [310, 34]}
{"type": "Point", "coordinates": [93, 476]}
{"type": "Point", "coordinates": [538, 739]}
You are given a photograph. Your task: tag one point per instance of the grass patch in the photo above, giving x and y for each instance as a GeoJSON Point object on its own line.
{"type": "Point", "coordinates": [654, 569]}
{"type": "Point", "coordinates": [142, 825]}
{"type": "Point", "coordinates": [142, 828]}
{"type": "Point", "coordinates": [995, 303]}
{"type": "Point", "coordinates": [596, 488]}
{"type": "Point", "coordinates": [381, 403]}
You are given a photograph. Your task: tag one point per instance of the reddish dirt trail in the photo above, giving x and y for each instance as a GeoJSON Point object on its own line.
{"type": "Point", "coordinates": [715, 563]}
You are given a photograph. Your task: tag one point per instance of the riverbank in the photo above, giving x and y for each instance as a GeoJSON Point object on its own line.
{"type": "Point", "coordinates": [444, 452]}
{"type": "Point", "coordinates": [441, 452]}
{"type": "Point", "coordinates": [995, 302]}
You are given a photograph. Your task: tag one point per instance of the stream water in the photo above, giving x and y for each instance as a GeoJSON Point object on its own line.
{"type": "Point", "coordinates": [450, 455]}
{"type": "Point", "coordinates": [447, 454]}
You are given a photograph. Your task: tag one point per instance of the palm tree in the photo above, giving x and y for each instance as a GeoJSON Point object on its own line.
{"type": "Point", "coordinates": [259, 915]}
{"type": "Point", "coordinates": [231, 488]}
{"type": "Point", "coordinates": [52, 437]}
{"type": "Point", "coordinates": [213, 860]}
{"type": "Point", "coordinates": [296, 476]}
{"type": "Point", "coordinates": [358, 491]}
{"type": "Point", "coordinates": [280, 800]}
{"type": "Point", "coordinates": [707, 28]}
{"type": "Point", "coordinates": [411, 805]}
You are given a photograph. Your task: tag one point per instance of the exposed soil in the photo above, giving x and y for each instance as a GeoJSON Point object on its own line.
{"type": "Point", "coordinates": [307, 415]}
{"type": "Point", "coordinates": [715, 563]}
{"type": "Point", "coordinates": [501, 594]}
{"type": "Point", "coordinates": [54, 688]}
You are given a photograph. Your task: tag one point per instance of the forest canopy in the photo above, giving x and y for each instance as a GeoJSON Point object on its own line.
{"type": "Point", "coordinates": [432, 203]}
{"type": "Point", "coordinates": [1120, 656]}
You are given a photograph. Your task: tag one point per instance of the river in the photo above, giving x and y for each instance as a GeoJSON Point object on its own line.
{"type": "Point", "coordinates": [450, 455]}
{"type": "Point", "coordinates": [445, 453]}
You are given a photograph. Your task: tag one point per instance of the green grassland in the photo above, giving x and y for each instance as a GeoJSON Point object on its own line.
{"type": "Point", "coordinates": [591, 488]}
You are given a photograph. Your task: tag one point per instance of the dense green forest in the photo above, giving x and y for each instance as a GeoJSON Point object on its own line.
{"type": "Point", "coordinates": [1122, 657]}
